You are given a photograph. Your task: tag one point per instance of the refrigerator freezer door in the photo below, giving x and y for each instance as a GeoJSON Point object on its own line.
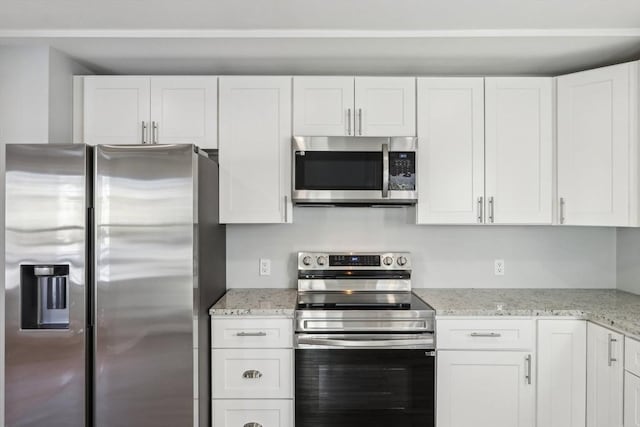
{"type": "Point", "coordinates": [45, 275]}
{"type": "Point", "coordinates": [144, 255]}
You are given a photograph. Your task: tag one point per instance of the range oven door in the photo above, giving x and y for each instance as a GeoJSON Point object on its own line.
{"type": "Point", "coordinates": [362, 384]}
{"type": "Point", "coordinates": [354, 170]}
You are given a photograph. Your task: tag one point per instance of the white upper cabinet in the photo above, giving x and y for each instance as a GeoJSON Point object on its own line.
{"type": "Point", "coordinates": [562, 366]}
{"type": "Point", "coordinates": [323, 106]}
{"type": "Point", "coordinates": [151, 110]}
{"type": "Point", "coordinates": [360, 106]}
{"type": "Point", "coordinates": [519, 150]}
{"type": "Point", "coordinates": [255, 149]}
{"type": "Point", "coordinates": [605, 376]}
{"type": "Point", "coordinates": [450, 159]}
{"type": "Point", "coordinates": [185, 110]}
{"type": "Point", "coordinates": [116, 110]}
{"type": "Point", "coordinates": [385, 106]}
{"type": "Point", "coordinates": [598, 146]}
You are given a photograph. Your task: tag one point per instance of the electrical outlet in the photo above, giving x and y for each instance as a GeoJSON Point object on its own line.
{"type": "Point", "coordinates": [498, 267]}
{"type": "Point", "coordinates": [265, 267]}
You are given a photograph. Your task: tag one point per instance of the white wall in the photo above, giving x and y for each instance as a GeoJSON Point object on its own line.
{"type": "Point", "coordinates": [443, 256]}
{"type": "Point", "coordinates": [35, 107]}
{"type": "Point", "coordinates": [628, 260]}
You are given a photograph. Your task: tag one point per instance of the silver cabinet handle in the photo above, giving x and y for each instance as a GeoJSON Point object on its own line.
{"type": "Point", "coordinates": [610, 349]}
{"type": "Point", "coordinates": [491, 214]}
{"type": "Point", "coordinates": [154, 132]}
{"type": "Point", "coordinates": [562, 203]}
{"type": "Point", "coordinates": [253, 425]}
{"type": "Point", "coordinates": [480, 209]}
{"type": "Point", "coordinates": [485, 334]}
{"type": "Point", "coordinates": [528, 373]}
{"type": "Point", "coordinates": [385, 170]}
{"type": "Point", "coordinates": [144, 132]}
{"type": "Point", "coordinates": [251, 374]}
{"type": "Point", "coordinates": [360, 121]}
{"type": "Point", "coordinates": [251, 334]}
{"type": "Point", "coordinates": [286, 208]}
{"type": "Point", "coordinates": [349, 121]}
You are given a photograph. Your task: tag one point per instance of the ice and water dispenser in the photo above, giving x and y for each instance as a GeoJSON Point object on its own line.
{"type": "Point", "coordinates": [44, 292]}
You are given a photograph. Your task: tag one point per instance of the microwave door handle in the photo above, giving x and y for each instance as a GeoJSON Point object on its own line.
{"type": "Point", "coordinates": [385, 171]}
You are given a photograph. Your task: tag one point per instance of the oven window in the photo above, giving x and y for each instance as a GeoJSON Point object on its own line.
{"type": "Point", "coordinates": [373, 388]}
{"type": "Point", "coordinates": [338, 170]}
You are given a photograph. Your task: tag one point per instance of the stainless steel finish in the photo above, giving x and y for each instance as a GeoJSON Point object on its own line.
{"type": "Point", "coordinates": [360, 121]}
{"type": "Point", "coordinates": [251, 334]}
{"type": "Point", "coordinates": [365, 341]}
{"type": "Point", "coordinates": [154, 132]}
{"type": "Point", "coordinates": [562, 204]}
{"type": "Point", "coordinates": [338, 143]}
{"type": "Point", "coordinates": [43, 271]}
{"type": "Point", "coordinates": [251, 374]}
{"type": "Point", "coordinates": [364, 320]}
{"type": "Point", "coordinates": [314, 256]}
{"type": "Point", "coordinates": [349, 121]}
{"type": "Point", "coordinates": [610, 357]}
{"type": "Point", "coordinates": [491, 208]}
{"type": "Point", "coordinates": [46, 209]}
{"type": "Point", "coordinates": [480, 208]}
{"type": "Point", "coordinates": [385, 171]}
{"type": "Point", "coordinates": [485, 334]}
{"type": "Point", "coordinates": [402, 261]}
{"type": "Point", "coordinates": [338, 285]}
{"type": "Point", "coordinates": [253, 425]}
{"type": "Point", "coordinates": [322, 261]}
{"type": "Point", "coordinates": [528, 370]}
{"type": "Point", "coordinates": [144, 132]}
{"type": "Point", "coordinates": [306, 261]}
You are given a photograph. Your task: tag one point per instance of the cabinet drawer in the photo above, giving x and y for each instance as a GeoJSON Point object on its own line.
{"type": "Point", "coordinates": [252, 374]}
{"type": "Point", "coordinates": [632, 356]}
{"type": "Point", "coordinates": [485, 334]}
{"type": "Point", "coordinates": [251, 333]}
{"type": "Point", "coordinates": [241, 413]}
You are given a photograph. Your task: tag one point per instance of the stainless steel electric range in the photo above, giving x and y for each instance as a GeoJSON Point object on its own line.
{"type": "Point", "coordinates": [365, 344]}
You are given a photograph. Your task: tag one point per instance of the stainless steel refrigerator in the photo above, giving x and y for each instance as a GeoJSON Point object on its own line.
{"type": "Point", "coordinates": [113, 256]}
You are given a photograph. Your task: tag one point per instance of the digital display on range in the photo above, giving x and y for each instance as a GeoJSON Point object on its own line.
{"type": "Point", "coordinates": [354, 260]}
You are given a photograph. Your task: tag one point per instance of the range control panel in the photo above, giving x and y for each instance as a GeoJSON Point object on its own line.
{"type": "Point", "coordinates": [402, 170]}
{"type": "Point", "coordinates": [354, 260]}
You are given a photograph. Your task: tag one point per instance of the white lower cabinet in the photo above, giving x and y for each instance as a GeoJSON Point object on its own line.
{"type": "Point", "coordinates": [562, 383]}
{"type": "Point", "coordinates": [253, 413]}
{"type": "Point", "coordinates": [605, 376]}
{"type": "Point", "coordinates": [631, 400]}
{"type": "Point", "coordinates": [252, 371]}
{"type": "Point", "coordinates": [485, 388]}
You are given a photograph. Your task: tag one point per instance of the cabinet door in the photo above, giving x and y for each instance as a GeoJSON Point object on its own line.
{"type": "Point", "coordinates": [116, 110]}
{"type": "Point", "coordinates": [631, 400]}
{"type": "Point", "coordinates": [594, 128]}
{"type": "Point", "coordinates": [562, 380]}
{"type": "Point", "coordinates": [323, 106]}
{"type": "Point", "coordinates": [519, 150]}
{"type": "Point", "coordinates": [450, 150]}
{"type": "Point", "coordinates": [255, 149]}
{"type": "Point", "coordinates": [604, 377]}
{"type": "Point", "coordinates": [485, 388]}
{"type": "Point", "coordinates": [385, 106]}
{"type": "Point", "coordinates": [184, 110]}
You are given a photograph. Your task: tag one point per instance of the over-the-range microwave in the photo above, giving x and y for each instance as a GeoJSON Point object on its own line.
{"type": "Point", "coordinates": [354, 170]}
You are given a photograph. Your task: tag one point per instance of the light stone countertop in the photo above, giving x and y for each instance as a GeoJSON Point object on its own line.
{"type": "Point", "coordinates": [615, 309]}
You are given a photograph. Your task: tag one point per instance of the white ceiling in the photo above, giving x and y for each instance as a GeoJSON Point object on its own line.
{"type": "Point", "coordinates": [541, 37]}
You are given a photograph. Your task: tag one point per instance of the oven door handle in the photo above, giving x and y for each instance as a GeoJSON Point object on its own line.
{"type": "Point", "coordinates": [308, 341]}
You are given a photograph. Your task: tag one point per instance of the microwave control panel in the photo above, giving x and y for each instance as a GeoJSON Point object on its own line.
{"type": "Point", "coordinates": [402, 170]}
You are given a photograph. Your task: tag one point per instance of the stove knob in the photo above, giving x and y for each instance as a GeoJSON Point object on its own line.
{"type": "Point", "coordinates": [402, 261]}
{"type": "Point", "coordinates": [387, 260]}
{"type": "Point", "coordinates": [322, 260]}
{"type": "Point", "coordinates": [306, 260]}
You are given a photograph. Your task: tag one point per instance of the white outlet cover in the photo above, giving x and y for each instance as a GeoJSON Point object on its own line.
{"type": "Point", "coordinates": [265, 267]}
{"type": "Point", "coordinates": [499, 267]}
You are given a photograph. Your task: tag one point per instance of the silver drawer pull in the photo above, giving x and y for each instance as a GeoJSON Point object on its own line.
{"type": "Point", "coordinates": [486, 334]}
{"type": "Point", "coordinates": [251, 374]}
{"type": "Point", "coordinates": [253, 425]}
{"type": "Point", "coordinates": [251, 334]}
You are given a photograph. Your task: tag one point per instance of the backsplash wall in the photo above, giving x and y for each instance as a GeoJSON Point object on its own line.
{"type": "Point", "coordinates": [443, 256]}
{"type": "Point", "coordinates": [628, 260]}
